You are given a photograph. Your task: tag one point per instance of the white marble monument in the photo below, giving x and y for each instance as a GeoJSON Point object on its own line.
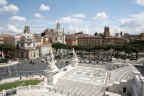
{"type": "Point", "coordinates": [51, 70]}
{"type": "Point", "coordinates": [74, 60]}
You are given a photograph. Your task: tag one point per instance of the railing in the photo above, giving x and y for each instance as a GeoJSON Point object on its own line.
{"type": "Point", "coordinates": [23, 73]}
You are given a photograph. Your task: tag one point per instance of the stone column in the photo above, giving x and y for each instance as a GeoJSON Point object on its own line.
{"type": "Point", "coordinates": [52, 77]}
{"type": "Point", "coordinates": [9, 71]}
{"type": "Point", "coordinates": [16, 70]}
{"type": "Point", "coordinates": [74, 62]}
{"type": "Point", "coordinates": [3, 92]}
{"type": "Point", "coordinates": [142, 88]}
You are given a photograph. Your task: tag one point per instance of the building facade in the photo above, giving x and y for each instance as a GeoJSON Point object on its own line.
{"type": "Point", "coordinates": [27, 45]}
{"type": "Point", "coordinates": [114, 40]}
{"type": "Point", "coordinates": [8, 39]}
{"type": "Point", "coordinates": [71, 39]}
{"type": "Point", "coordinates": [130, 37]}
{"type": "Point", "coordinates": [55, 35]}
{"type": "Point", "coordinates": [117, 39]}
{"type": "Point", "coordinates": [38, 39]}
{"type": "Point", "coordinates": [89, 40]}
{"type": "Point", "coordinates": [31, 46]}
{"type": "Point", "coordinates": [1, 40]}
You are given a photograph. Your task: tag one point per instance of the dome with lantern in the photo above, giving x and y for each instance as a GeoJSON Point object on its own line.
{"type": "Point", "coordinates": [27, 39]}
{"type": "Point", "coordinates": [27, 35]}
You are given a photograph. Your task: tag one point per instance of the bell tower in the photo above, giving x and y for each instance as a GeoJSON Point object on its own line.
{"type": "Point", "coordinates": [58, 26]}
{"type": "Point", "coordinates": [106, 32]}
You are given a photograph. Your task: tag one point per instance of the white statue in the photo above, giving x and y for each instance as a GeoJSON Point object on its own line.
{"type": "Point", "coordinates": [50, 61]}
{"type": "Point", "coordinates": [74, 60]}
{"type": "Point", "coordinates": [74, 54]}
{"type": "Point", "coordinates": [52, 55]}
{"type": "Point", "coordinates": [51, 65]}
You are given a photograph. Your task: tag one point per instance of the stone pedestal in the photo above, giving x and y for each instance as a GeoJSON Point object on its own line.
{"type": "Point", "coordinates": [52, 76]}
{"type": "Point", "coordinates": [74, 62]}
{"type": "Point", "coordinates": [127, 61]}
{"type": "Point", "coordinates": [113, 60]}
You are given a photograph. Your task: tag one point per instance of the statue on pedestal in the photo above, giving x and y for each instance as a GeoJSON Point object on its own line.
{"type": "Point", "coordinates": [74, 54]}
{"type": "Point", "coordinates": [51, 62]}
{"type": "Point", "coordinates": [74, 60]}
{"type": "Point", "coordinates": [52, 70]}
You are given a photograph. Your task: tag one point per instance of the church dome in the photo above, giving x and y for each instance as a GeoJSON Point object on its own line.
{"type": "Point", "coordinates": [27, 37]}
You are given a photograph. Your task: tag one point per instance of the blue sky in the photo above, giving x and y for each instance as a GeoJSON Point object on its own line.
{"type": "Point", "coordinates": [89, 16]}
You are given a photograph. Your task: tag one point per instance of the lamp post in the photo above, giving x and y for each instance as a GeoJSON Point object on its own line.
{"type": "Point", "coordinates": [16, 70]}
{"type": "Point", "coordinates": [9, 71]}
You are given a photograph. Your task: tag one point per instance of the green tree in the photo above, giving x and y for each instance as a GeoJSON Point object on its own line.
{"type": "Point", "coordinates": [134, 50]}
{"type": "Point", "coordinates": [101, 34]}
{"type": "Point", "coordinates": [5, 48]}
{"type": "Point", "coordinates": [128, 52]}
{"type": "Point", "coordinates": [97, 48]}
{"type": "Point", "coordinates": [43, 34]}
{"type": "Point", "coordinates": [117, 49]}
{"type": "Point", "coordinates": [57, 46]}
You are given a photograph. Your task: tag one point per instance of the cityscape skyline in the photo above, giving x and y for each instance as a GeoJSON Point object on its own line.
{"type": "Point", "coordinates": [74, 16]}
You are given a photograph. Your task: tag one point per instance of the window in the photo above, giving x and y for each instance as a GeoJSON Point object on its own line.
{"type": "Point", "coordinates": [28, 44]}
{"type": "Point", "coordinates": [124, 90]}
{"type": "Point", "coordinates": [34, 54]}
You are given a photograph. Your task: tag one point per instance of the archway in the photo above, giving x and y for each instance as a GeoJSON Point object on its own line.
{"type": "Point", "coordinates": [124, 89]}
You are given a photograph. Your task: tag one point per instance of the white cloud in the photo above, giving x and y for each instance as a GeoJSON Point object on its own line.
{"type": "Point", "coordinates": [12, 28]}
{"type": "Point", "coordinates": [72, 29]}
{"type": "Point", "coordinates": [38, 25]}
{"type": "Point", "coordinates": [38, 15]}
{"type": "Point", "coordinates": [3, 2]}
{"type": "Point", "coordinates": [80, 15]}
{"type": "Point", "coordinates": [17, 19]}
{"type": "Point", "coordinates": [86, 29]}
{"type": "Point", "coordinates": [133, 24]}
{"type": "Point", "coordinates": [1, 28]}
{"type": "Point", "coordinates": [77, 28]}
{"type": "Point", "coordinates": [101, 16]}
{"type": "Point", "coordinates": [9, 9]}
{"type": "Point", "coordinates": [69, 19]}
{"type": "Point", "coordinates": [140, 2]}
{"type": "Point", "coordinates": [44, 7]}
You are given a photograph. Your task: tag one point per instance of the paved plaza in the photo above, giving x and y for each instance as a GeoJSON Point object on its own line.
{"type": "Point", "coordinates": [26, 67]}
{"type": "Point", "coordinates": [33, 67]}
{"type": "Point", "coordinates": [87, 79]}
{"type": "Point", "coordinates": [89, 75]}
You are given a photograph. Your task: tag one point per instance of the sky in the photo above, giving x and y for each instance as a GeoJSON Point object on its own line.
{"type": "Point", "coordinates": [89, 16]}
